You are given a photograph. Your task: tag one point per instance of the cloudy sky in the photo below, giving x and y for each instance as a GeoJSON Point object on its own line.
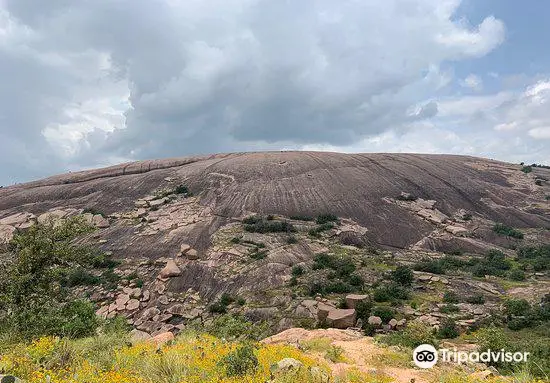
{"type": "Point", "coordinates": [88, 83]}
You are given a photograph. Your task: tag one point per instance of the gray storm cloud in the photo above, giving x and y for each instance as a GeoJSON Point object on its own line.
{"type": "Point", "coordinates": [182, 77]}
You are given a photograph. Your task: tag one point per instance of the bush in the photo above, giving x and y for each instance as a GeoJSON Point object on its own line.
{"type": "Point", "coordinates": [516, 275]}
{"type": "Point", "coordinates": [403, 276]}
{"type": "Point", "coordinates": [449, 309]}
{"type": "Point", "coordinates": [390, 292]}
{"type": "Point", "coordinates": [450, 297]}
{"type": "Point", "coordinates": [251, 220]}
{"type": "Point", "coordinates": [233, 327]}
{"type": "Point", "coordinates": [316, 231]}
{"type": "Point", "coordinates": [385, 313]}
{"type": "Point", "coordinates": [343, 265]}
{"type": "Point", "coordinates": [240, 362]}
{"type": "Point", "coordinates": [326, 218]}
{"type": "Point", "coordinates": [363, 309]}
{"type": "Point", "coordinates": [535, 257]}
{"type": "Point", "coordinates": [297, 271]}
{"type": "Point", "coordinates": [516, 307]}
{"type": "Point", "coordinates": [415, 334]}
{"type": "Point", "coordinates": [217, 308]}
{"type": "Point", "coordinates": [305, 218]}
{"type": "Point", "coordinates": [526, 169]}
{"type": "Point", "coordinates": [93, 211]}
{"type": "Point", "coordinates": [356, 280]}
{"type": "Point", "coordinates": [448, 330]}
{"type": "Point", "coordinates": [34, 277]}
{"type": "Point", "coordinates": [476, 299]}
{"type": "Point", "coordinates": [182, 189]}
{"type": "Point", "coordinates": [291, 239]}
{"type": "Point", "coordinates": [502, 229]}
{"type": "Point", "coordinates": [262, 226]}
{"type": "Point", "coordinates": [429, 266]}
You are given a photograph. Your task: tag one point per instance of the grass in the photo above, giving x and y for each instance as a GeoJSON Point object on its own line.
{"type": "Point", "coordinates": [191, 357]}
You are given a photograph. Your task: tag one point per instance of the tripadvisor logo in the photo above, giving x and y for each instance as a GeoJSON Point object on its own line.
{"type": "Point", "coordinates": [426, 356]}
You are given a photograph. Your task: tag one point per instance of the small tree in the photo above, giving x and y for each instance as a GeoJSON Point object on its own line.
{"type": "Point", "coordinates": [33, 292]}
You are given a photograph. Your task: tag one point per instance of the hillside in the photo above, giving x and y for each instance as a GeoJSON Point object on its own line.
{"type": "Point", "coordinates": [370, 242]}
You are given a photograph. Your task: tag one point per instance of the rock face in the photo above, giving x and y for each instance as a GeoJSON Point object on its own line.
{"type": "Point", "coordinates": [180, 252]}
{"type": "Point", "coordinates": [234, 183]}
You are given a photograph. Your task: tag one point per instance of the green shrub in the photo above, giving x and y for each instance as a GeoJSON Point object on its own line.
{"type": "Point", "coordinates": [301, 218]}
{"type": "Point", "coordinates": [547, 197]}
{"type": "Point", "coordinates": [385, 313]}
{"type": "Point", "coordinates": [235, 240]}
{"type": "Point", "coordinates": [257, 254]}
{"type": "Point", "coordinates": [448, 330]}
{"type": "Point", "coordinates": [233, 327]}
{"type": "Point", "coordinates": [449, 309]}
{"type": "Point", "coordinates": [502, 229]}
{"type": "Point", "coordinates": [226, 299]}
{"type": "Point", "coordinates": [34, 279]}
{"type": "Point", "coordinates": [343, 265]}
{"type": "Point", "coordinates": [476, 299]}
{"type": "Point", "coordinates": [516, 307]}
{"type": "Point", "coordinates": [356, 280]}
{"type": "Point", "coordinates": [182, 189]}
{"type": "Point", "coordinates": [526, 169]}
{"type": "Point", "coordinates": [326, 218]}
{"type": "Point", "coordinates": [516, 275]}
{"type": "Point", "coordinates": [80, 277]}
{"type": "Point", "coordinates": [450, 297]}
{"type": "Point", "coordinates": [217, 308]}
{"type": "Point", "coordinates": [415, 334]}
{"type": "Point", "coordinates": [291, 239]}
{"type": "Point", "coordinates": [316, 231]}
{"type": "Point", "coordinates": [297, 271]}
{"type": "Point", "coordinates": [251, 220]}
{"type": "Point", "coordinates": [403, 276]}
{"type": "Point", "coordinates": [270, 227]}
{"type": "Point", "coordinates": [240, 362]}
{"type": "Point", "coordinates": [535, 257]}
{"type": "Point", "coordinates": [363, 309]}
{"type": "Point", "coordinates": [428, 266]}
{"type": "Point", "coordinates": [390, 292]}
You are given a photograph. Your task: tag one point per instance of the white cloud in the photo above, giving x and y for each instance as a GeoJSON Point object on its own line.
{"type": "Point", "coordinates": [473, 82]}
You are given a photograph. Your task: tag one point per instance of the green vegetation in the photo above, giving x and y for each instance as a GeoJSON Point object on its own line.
{"type": "Point", "coordinates": [326, 218]}
{"type": "Point", "coordinates": [301, 218]}
{"type": "Point", "coordinates": [256, 224]}
{"type": "Point", "coordinates": [536, 341]}
{"type": "Point", "coordinates": [536, 258]}
{"type": "Point", "coordinates": [449, 309]}
{"type": "Point", "coordinates": [403, 276]}
{"type": "Point", "coordinates": [390, 292]}
{"type": "Point", "coordinates": [448, 329]}
{"type": "Point", "coordinates": [385, 313]}
{"type": "Point", "coordinates": [240, 361]}
{"type": "Point", "coordinates": [547, 197]}
{"type": "Point", "coordinates": [527, 169]}
{"type": "Point", "coordinates": [476, 299]}
{"type": "Point", "coordinates": [291, 239]}
{"type": "Point", "coordinates": [430, 266]}
{"type": "Point", "coordinates": [415, 334]}
{"type": "Point", "coordinates": [316, 231]}
{"type": "Point", "coordinates": [42, 264]}
{"type": "Point", "coordinates": [220, 307]}
{"type": "Point", "coordinates": [502, 229]}
{"type": "Point", "coordinates": [236, 327]}
{"type": "Point", "coordinates": [450, 297]}
{"type": "Point", "coordinates": [297, 271]}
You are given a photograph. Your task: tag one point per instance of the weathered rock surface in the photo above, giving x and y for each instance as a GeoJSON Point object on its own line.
{"type": "Point", "coordinates": [341, 318]}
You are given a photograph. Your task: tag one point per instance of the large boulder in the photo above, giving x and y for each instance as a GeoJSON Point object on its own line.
{"type": "Point", "coordinates": [353, 299]}
{"type": "Point", "coordinates": [375, 321]}
{"type": "Point", "coordinates": [323, 310]}
{"type": "Point", "coordinates": [341, 318]}
{"type": "Point", "coordinates": [170, 270]}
